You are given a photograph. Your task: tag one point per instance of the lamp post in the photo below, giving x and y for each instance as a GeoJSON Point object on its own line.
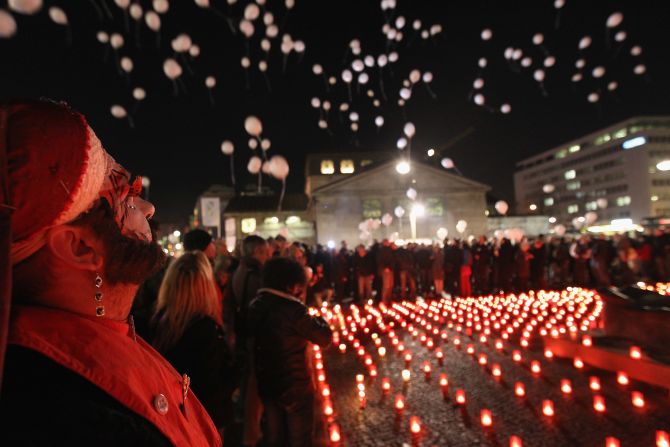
{"type": "Point", "coordinates": [418, 210]}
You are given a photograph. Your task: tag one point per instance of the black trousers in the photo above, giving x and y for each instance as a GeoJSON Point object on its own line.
{"type": "Point", "coordinates": [289, 423]}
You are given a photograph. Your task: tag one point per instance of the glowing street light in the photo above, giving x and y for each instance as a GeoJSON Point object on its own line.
{"type": "Point", "coordinates": [402, 167]}
{"type": "Point", "coordinates": [663, 165]}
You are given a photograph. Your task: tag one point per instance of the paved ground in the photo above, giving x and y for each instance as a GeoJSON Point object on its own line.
{"type": "Point", "coordinates": [444, 423]}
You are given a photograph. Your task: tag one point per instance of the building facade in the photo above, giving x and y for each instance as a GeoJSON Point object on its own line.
{"type": "Point", "coordinates": [609, 177]}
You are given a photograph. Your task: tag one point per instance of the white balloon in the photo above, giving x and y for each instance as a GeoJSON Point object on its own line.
{"type": "Point", "coordinates": [486, 34]}
{"type": "Point", "coordinates": [409, 130]}
{"type": "Point", "coordinates": [265, 45]}
{"type": "Point", "coordinates": [509, 53]}
{"type": "Point", "coordinates": [548, 188]}
{"type": "Point", "coordinates": [363, 78]}
{"type": "Point", "coordinates": [447, 163]}
{"type": "Point", "coordinates": [344, 107]}
{"type": "Point", "coordinates": [636, 50]}
{"type": "Point", "coordinates": [416, 24]}
{"type": "Point", "coordinates": [139, 94]}
{"type": "Point", "coordinates": [358, 65]}
{"type": "Point", "coordinates": [401, 102]}
{"type": "Point", "coordinates": [7, 24]}
{"type": "Point", "coordinates": [136, 11]}
{"type": "Point", "coordinates": [517, 54]}
{"type": "Point", "coordinates": [254, 165]}
{"type": "Point", "coordinates": [227, 147]}
{"type": "Point", "coordinates": [326, 105]}
{"type": "Point", "coordinates": [355, 43]}
{"type": "Point", "coordinates": [393, 57]}
{"type": "Point", "coordinates": [427, 77]}
{"type": "Point", "coordinates": [315, 102]}
{"type": "Point", "coordinates": [253, 126]}
{"type": "Point", "coordinates": [265, 144]}
{"type": "Point", "coordinates": [612, 86]}
{"type": "Point", "coordinates": [279, 167]}
{"type": "Point", "coordinates": [354, 127]}
{"type": "Point", "coordinates": [480, 99]}
{"type": "Point", "coordinates": [614, 20]}
{"type": "Point", "coordinates": [58, 15]}
{"type": "Point", "coordinates": [323, 124]}
{"type": "Point", "coordinates": [247, 28]}
{"type": "Point", "coordinates": [411, 193]}
{"type": "Point", "coordinates": [161, 6]}
{"type": "Point", "coordinates": [585, 42]}
{"type": "Point", "coordinates": [401, 143]}
{"type": "Point", "coordinates": [210, 82]}
{"type": "Point", "coordinates": [347, 76]}
{"type": "Point", "coordinates": [590, 217]}
{"type": "Point", "coordinates": [245, 62]}
{"type": "Point", "coordinates": [317, 69]}
{"type": "Point", "coordinates": [265, 167]}
{"type": "Point", "coordinates": [405, 93]}
{"type": "Point", "coordinates": [580, 63]}
{"type": "Point", "coordinates": [182, 43]}
{"type": "Point", "coordinates": [127, 64]}
{"type": "Point", "coordinates": [559, 230]}
{"type": "Point", "coordinates": [505, 108]}
{"type": "Point", "coordinates": [172, 68]}
{"type": "Point", "coordinates": [400, 22]}
{"type": "Point", "coordinates": [152, 20]}
{"type": "Point", "coordinates": [442, 233]}
{"type": "Point", "coordinates": [435, 29]}
{"type": "Point", "coordinates": [558, 4]}
{"type": "Point", "coordinates": [102, 37]}
{"type": "Point", "coordinates": [382, 60]}
{"type": "Point", "coordinates": [268, 18]}
{"type": "Point", "coordinates": [263, 66]}
{"type": "Point", "coordinates": [202, 3]}
{"type": "Point", "coordinates": [461, 226]}
{"type": "Point", "coordinates": [598, 72]}
{"type": "Point", "coordinates": [414, 76]}
{"type": "Point", "coordinates": [539, 75]}
{"type": "Point", "coordinates": [577, 222]}
{"type": "Point", "coordinates": [399, 211]}
{"type": "Point", "coordinates": [526, 62]}
{"type": "Point", "coordinates": [123, 4]}
{"type": "Point", "coordinates": [620, 36]}
{"type": "Point", "coordinates": [379, 121]}
{"type": "Point", "coordinates": [289, 4]}
{"type": "Point", "coordinates": [639, 69]}
{"type": "Point", "coordinates": [118, 111]}
{"type": "Point", "coordinates": [253, 144]}
{"type": "Point", "coordinates": [369, 61]}
{"type": "Point", "coordinates": [482, 62]}
{"type": "Point", "coordinates": [272, 31]}
{"type": "Point", "coordinates": [501, 206]}
{"type": "Point", "coordinates": [387, 219]}
{"type": "Point", "coordinates": [478, 83]}
{"type": "Point", "coordinates": [602, 203]}
{"type": "Point", "coordinates": [28, 7]}
{"type": "Point", "coordinates": [353, 116]}
{"type": "Point", "coordinates": [576, 77]}
{"type": "Point", "coordinates": [116, 40]}
{"type": "Point", "coordinates": [549, 61]}
{"type": "Point", "coordinates": [252, 11]}
{"type": "Point", "coordinates": [538, 39]}
{"type": "Point", "coordinates": [299, 46]}
{"type": "Point", "coordinates": [593, 97]}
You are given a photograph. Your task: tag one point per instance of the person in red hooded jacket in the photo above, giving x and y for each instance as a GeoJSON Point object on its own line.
{"type": "Point", "coordinates": [75, 372]}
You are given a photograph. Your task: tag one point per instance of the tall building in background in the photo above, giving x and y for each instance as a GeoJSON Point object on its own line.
{"type": "Point", "coordinates": [620, 173]}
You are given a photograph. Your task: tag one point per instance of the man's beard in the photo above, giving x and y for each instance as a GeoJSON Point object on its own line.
{"type": "Point", "coordinates": [129, 260]}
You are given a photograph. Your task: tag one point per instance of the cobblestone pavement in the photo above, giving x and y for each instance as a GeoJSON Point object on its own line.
{"type": "Point", "coordinates": [445, 423]}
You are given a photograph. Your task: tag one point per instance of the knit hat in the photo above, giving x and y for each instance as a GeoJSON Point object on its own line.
{"type": "Point", "coordinates": [197, 240]}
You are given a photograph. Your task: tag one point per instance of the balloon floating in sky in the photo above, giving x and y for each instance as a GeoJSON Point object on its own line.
{"type": "Point", "coordinates": [447, 163]}
{"type": "Point", "coordinates": [27, 7]}
{"type": "Point", "coordinates": [253, 126]}
{"type": "Point", "coordinates": [227, 147]}
{"type": "Point", "coordinates": [501, 206]}
{"type": "Point", "coordinates": [7, 24]}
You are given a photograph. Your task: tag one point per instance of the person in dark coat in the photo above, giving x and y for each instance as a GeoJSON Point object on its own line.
{"type": "Point", "coordinates": [341, 273]}
{"type": "Point", "coordinates": [538, 264]}
{"type": "Point", "coordinates": [581, 253]}
{"type": "Point", "coordinates": [188, 332]}
{"type": "Point", "coordinates": [453, 258]}
{"type": "Point", "coordinates": [522, 262]}
{"type": "Point", "coordinates": [386, 266]}
{"type": "Point", "coordinates": [481, 266]}
{"type": "Point", "coordinates": [245, 284]}
{"type": "Point", "coordinates": [281, 329]}
{"type": "Point", "coordinates": [406, 265]}
{"type": "Point", "coordinates": [506, 269]}
{"type": "Point", "coordinates": [363, 264]}
{"type": "Point", "coordinates": [423, 255]}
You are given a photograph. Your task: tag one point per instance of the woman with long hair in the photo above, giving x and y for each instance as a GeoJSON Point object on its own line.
{"type": "Point", "coordinates": [188, 332]}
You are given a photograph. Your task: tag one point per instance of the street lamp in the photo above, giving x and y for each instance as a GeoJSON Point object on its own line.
{"type": "Point", "coordinates": [402, 167]}
{"type": "Point", "coordinates": [663, 165]}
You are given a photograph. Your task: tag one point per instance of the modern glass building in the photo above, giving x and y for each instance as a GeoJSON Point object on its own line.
{"type": "Point", "coordinates": [615, 176]}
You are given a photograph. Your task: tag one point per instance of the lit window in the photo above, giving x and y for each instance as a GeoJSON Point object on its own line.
{"type": "Point", "coordinates": [621, 133]}
{"type": "Point", "coordinates": [569, 175]}
{"type": "Point", "coordinates": [347, 166]}
{"type": "Point", "coordinates": [248, 225]}
{"type": "Point", "coordinates": [591, 206]}
{"type": "Point", "coordinates": [623, 201]}
{"type": "Point", "coordinates": [654, 198]}
{"type": "Point", "coordinates": [574, 148]}
{"type": "Point", "coordinates": [549, 201]}
{"type": "Point", "coordinates": [603, 139]}
{"type": "Point", "coordinates": [372, 208]}
{"type": "Point", "coordinates": [572, 209]}
{"type": "Point", "coordinates": [571, 186]}
{"type": "Point", "coordinates": [561, 154]}
{"type": "Point", "coordinates": [271, 220]}
{"type": "Point", "coordinates": [292, 220]}
{"type": "Point", "coordinates": [365, 163]}
{"type": "Point", "coordinates": [434, 207]}
{"type": "Point", "coordinates": [327, 167]}
{"type": "Point", "coordinates": [634, 142]}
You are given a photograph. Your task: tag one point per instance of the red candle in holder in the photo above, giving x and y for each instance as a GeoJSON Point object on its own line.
{"type": "Point", "coordinates": [622, 378]}
{"type": "Point", "coordinates": [386, 385]}
{"type": "Point", "coordinates": [361, 398]}
{"type": "Point", "coordinates": [611, 441]}
{"type": "Point", "coordinates": [381, 351]}
{"type": "Point", "coordinates": [486, 418]}
{"type": "Point", "coordinates": [361, 351]}
{"type": "Point", "coordinates": [586, 340]}
{"type": "Point", "coordinates": [415, 425]}
{"type": "Point", "coordinates": [599, 403]}
{"type": "Point", "coordinates": [325, 392]}
{"type": "Point", "coordinates": [519, 389]}
{"type": "Point", "coordinates": [460, 397]}
{"type": "Point", "coordinates": [496, 370]}
{"type": "Point", "coordinates": [360, 378]}
{"type": "Point", "coordinates": [579, 364]}
{"type": "Point", "coordinates": [515, 441]}
{"type": "Point", "coordinates": [327, 407]}
{"type": "Point", "coordinates": [638, 399]}
{"type": "Point", "coordinates": [535, 367]}
{"type": "Point", "coordinates": [440, 355]}
{"type": "Point", "coordinates": [547, 408]}
{"type": "Point", "coordinates": [662, 439]}
{"type": "Point", "coordinates": [499, 346]}
{"type": "Point", "coordinates": [470, 349]}
{"type": "Point", "coordinates": [343, 348]}
{"type": "Point", "coordinates": [635, 352]}
{"type": "Point", "coordinates": [516, 356]}
{"type": "Point", "coordinates": [399, 402]}
{"type": "Point", "coordinates": [566, 386]}
{"type": "Point", "coordinates": [444, 381]}
{"type": "Point", "coordinates": [406, 375]}
{"type": "Point", "coordinates": [408, 358]}
{"type": "Point", "coordinates": [373, 371]}
{"type": "Point", "coordinates": [483, 360]}
{"type": "Point", "coordinates": [548, 354]}
{"type": "Point", "coordinates": [426, 368]}
{"type": "Point", "coordinates": [334, 432]}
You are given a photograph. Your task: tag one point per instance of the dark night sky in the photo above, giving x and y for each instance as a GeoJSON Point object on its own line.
{"type": "Point", "coordinates": [176, 140]}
